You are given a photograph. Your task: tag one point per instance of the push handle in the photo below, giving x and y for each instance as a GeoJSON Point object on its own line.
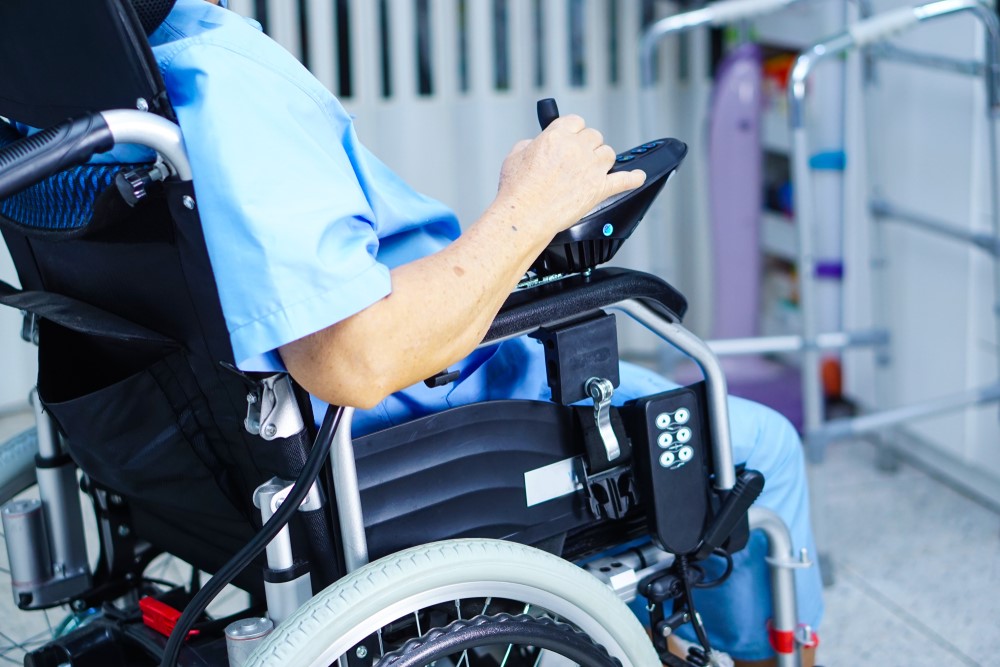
{"type": "Point", "coordinates": [548, 111]}
{"type": "Point", "coordinates": [35, 158]}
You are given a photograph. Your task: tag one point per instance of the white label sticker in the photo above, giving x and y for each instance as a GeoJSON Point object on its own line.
{"type": "Point", "coordinates": [552, 481]}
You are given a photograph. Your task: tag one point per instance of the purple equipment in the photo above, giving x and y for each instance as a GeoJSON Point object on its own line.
{"type": "Point", "coordinates": [735, 188]}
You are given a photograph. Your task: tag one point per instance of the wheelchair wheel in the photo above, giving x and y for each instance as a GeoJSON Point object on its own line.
{"type": "Point", "coordinates": [359, 612]}
{"type": "Point", "coordinates": [17, 464]}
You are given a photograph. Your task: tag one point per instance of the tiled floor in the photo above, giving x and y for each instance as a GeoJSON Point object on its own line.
{"type": "Point", "coordinates": [917, 569]}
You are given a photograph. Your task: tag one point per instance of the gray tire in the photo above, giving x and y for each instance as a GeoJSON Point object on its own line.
{"type": "Point", "coordinates": [17, 464]}
{"type": "Point", "coordinates": [397, 585]}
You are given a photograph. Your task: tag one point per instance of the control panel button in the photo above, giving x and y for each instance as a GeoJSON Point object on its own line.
{"type": "Point", "coordinates": [667, 459]}
{"type": "Point", "coordinates": [682, 416]}
{"type": "Point", "coordinates": [683, 435]}
{"type": "Point", "coordinates": [663, 420]}
{"type": "Point", "coordinates": [685, 453]}
{"type": "Point", "coordinates": [665, 440]}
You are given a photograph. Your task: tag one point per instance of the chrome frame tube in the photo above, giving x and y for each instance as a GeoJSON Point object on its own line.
{"type": "Point", "coordinates": [782, 562]}
{"type": "Point", "coordinates": [896, 54]}
{"type": "Point", "coordinates": [838, 429]}
{"type": "Point", "coordinates": [839, 340]}
{"type": "Point", "coordinates": [715, 382]}
{"type": "Point", "coordinates": [719, 13]}
{"type": "Point", "coordinates": [887, 212]}
{"type": "Point", "coordinates": [348, 495]}
{"type": "Point", "coordinates": [59, 492]}
{"type": "Point", "coordinates": [146, 129]}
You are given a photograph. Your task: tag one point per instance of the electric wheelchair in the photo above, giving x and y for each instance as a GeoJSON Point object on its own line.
{"type": "Point", "coordinates": [454, 539]}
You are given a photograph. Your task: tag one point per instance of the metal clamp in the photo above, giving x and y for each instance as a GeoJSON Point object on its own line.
{"type": "Point", "coordinates": [601, 391]}
{"type": "Point", "coordinates": [272, 410]}
{"type": "Point", "coordinates": [802, 563]}
{"type": "Point", "coordinates": [313, 500]}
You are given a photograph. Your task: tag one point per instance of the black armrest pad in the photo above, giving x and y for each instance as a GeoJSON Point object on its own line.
{"type": "Point", "coordinates": [573, 297]}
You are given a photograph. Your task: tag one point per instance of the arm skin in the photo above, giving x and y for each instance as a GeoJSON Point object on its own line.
{"type": "Point", "coordinates": [441, 306]}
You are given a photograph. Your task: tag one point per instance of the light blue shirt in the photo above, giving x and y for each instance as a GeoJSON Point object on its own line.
{"type": "Point", "coordinates": [302, 222]}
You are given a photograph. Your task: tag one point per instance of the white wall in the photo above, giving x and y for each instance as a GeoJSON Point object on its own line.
{"type": "Point", "coordinates": [17, 358]}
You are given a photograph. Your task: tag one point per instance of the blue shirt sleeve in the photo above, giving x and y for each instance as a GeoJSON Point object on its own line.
{"type": "Point", "coordinates": [284, 195]}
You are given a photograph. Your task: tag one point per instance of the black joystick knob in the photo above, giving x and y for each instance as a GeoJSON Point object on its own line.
{"type": "Point", "coordinates": [547, 112]}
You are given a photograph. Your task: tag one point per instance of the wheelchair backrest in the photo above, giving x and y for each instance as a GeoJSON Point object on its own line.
{"type": "Point", "coordinates": [153, 416]}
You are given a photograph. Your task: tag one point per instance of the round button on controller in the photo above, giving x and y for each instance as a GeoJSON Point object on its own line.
{"type": "Point", "coordinates": [685, 453]}
{"type": "Point", "coordinates": [683, 434]}
{"type": "Point", "coordinates": [662, 420]}
{"type": "Point", "coordinates": [665, 440]}
{"type": "Point", "coordinates": [682, 415]}
{"type": "Point", "coordinates": [667, 459]}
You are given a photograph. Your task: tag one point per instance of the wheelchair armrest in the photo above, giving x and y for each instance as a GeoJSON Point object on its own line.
{"type": "Point", "coordinates": [528, 309]}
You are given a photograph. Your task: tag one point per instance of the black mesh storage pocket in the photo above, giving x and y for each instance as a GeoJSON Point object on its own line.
{"type": "Point", "coordinates": [134, 419]}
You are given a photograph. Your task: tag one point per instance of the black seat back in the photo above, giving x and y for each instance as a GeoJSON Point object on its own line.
{"type": "Point", "coordinates": [155, 417]}
{"type": "Point", "coordinates": [64, 58]}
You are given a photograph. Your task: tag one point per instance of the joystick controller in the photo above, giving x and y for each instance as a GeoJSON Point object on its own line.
{"type": "Point", "coordinates": [598, 235]}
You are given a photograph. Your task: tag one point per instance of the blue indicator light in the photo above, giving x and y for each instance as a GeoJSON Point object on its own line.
{"type": "Point", "coordinates": [608, 229]}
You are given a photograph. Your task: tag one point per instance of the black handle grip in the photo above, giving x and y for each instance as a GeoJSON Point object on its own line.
{"type": "Point", "coordinates": [35, 158]}
{"type": "Point", "coordinates": [547, 111]}
{"type": "Point", "coordinates": [736, 505]}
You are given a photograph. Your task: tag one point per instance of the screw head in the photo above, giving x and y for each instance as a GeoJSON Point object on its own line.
{"type": "Point", "coordinates": [141, 104]}
{"type": "Point", "coordinates": [188, 202]}
{"type": "Point", "coordinates": [270, 430]}
{"type": "Point", "coordinates": [362, 653]}
{"type": "Point", "coordinates": [124, 531]}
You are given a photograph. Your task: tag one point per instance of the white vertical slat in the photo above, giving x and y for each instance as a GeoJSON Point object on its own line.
{"type": "Point", "coordinates": [556, 45]}
{"type": "Point", "coordinates": [403, 48]}
{"type": "Point", "coordinates": [283, 24]}
{"type": "Point", "coordinates": [479, 22]}
{"type": "Point", "coordinates": [242, 7]}
{"type": "Point", "coordinates": [322, 41]}
{"type": "Point", "coordinates": [444, 48]}
{"type": "Point", "coordinates": [522, 46]}
{"type": "Point", "coordinates": [365, 67]}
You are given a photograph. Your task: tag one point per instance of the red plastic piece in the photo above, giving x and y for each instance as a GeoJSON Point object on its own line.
{"type": "Point", "coordinates": [782, 641]}
{"type": "Point", "coordinates": [160, 616]}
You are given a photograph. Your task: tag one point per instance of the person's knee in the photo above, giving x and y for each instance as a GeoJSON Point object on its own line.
{"type": "Point", "coordinates": [762, 437]}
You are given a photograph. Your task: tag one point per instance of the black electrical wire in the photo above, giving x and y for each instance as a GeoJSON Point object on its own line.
{"type": "Point", "coordinates": [699, 629]}
{"type": "Point", "coordinates": [722, 553]}
{"type": "Point", "coordinates": [310, 471]}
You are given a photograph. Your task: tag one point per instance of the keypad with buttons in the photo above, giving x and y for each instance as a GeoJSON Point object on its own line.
{"type": "Point", "coordinates": [670, 450]}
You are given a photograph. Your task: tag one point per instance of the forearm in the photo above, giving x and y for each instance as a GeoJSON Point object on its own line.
{"type": "Point", "coordinates": [441, 306]}
{"type": "Point", "coordinates": [439, 310]}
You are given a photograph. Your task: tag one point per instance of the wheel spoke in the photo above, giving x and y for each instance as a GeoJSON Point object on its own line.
{"type": "Point", "coordinates": [506, 655]}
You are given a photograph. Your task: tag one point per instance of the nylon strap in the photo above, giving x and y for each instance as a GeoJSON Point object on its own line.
{"type": "Point", "coordinates": [76, 315]}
